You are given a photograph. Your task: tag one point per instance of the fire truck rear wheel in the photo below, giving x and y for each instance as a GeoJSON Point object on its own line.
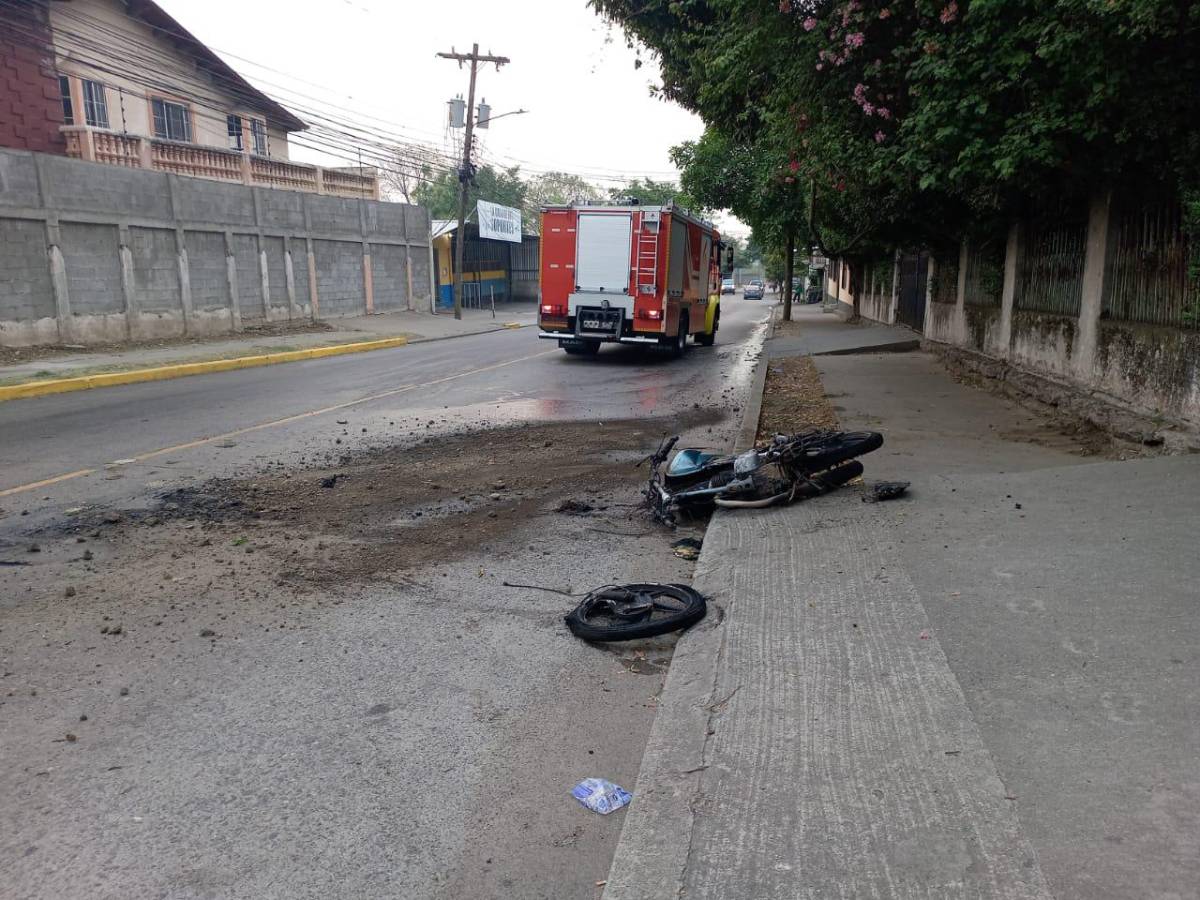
{"type": "Point", "coordinates": [582, 348]}
{"type": "Point", "coordinates": [678, 343]}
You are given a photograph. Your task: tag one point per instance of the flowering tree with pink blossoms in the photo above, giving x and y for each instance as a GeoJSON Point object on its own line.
{"type": "Point", "coordinates": [907, 120]}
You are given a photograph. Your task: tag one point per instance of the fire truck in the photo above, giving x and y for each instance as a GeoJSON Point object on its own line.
{"type": "Point", "coordinates": [629, 274]}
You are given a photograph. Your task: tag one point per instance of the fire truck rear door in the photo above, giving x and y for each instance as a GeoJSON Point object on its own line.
{"type": "Point", "coordinates": [603, 252]}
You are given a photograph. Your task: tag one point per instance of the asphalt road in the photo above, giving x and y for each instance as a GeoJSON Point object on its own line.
{"type": "Point", "coordinates": [118, 445]}
{"type": "Point", "coordinates": [412, 737]}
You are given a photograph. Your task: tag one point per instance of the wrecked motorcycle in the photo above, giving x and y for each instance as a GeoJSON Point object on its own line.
{"type": "Point", "coordinates": [785, 469]}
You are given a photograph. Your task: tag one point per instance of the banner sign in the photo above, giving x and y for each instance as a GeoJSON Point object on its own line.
{"type": "Point", "coordinates": [499, 223]}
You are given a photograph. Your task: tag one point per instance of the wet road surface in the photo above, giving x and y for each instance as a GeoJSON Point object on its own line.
{"type": "Point", "coordinates": [248, 733]}
{"type": "Point", "coordinates": [118, 446]}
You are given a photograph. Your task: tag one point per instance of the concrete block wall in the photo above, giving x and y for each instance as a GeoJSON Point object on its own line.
{"type": "Point", "coordinates": [340, 283]}
{"type": "Point", "coordinates": [93, 253]}
{"type": "Point", "coordinates": [26, 293]}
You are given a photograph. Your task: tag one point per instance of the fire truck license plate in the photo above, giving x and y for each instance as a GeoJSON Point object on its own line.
{"type": "Point", "coordinates": [599, 320]}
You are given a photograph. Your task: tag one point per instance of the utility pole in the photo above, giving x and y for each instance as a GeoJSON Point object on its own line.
{"type": "Point", "coordinates": [465, 174]}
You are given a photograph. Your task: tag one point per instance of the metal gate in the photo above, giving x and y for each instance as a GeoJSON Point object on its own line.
{"type": "Point", "coordinates": [914, 277]}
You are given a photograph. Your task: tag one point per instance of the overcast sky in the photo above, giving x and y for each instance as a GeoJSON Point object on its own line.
{"type": "Point", "coordinates": [374, 63]}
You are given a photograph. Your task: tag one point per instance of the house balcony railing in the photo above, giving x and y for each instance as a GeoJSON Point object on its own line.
{"type": "Point", "coordinates": [136, 152]}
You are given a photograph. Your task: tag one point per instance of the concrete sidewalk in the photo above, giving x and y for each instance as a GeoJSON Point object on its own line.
{"type": "Point", "coordinates": [813, 332]}
{"type": "Point", "coordinates": [415, 326]}
{"type": "Point", "coordinates": [987, 689]}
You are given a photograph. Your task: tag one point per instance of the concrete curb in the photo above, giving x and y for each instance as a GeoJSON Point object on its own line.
{"type": "Point", "coordinates": [907, 346]}
{"type": "Point", "coordinates": [748, 433]}
{"type": "Point", "coordinates": [29, 389]}
{"type": "Point", "coordinates": [182, 370]}
{"type": "Point", "coordinates": [651, 858]}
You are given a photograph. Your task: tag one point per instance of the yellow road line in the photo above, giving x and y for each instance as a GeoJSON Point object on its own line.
{"type": "Point", "coordinates": [45, 482]}
{"type": "Point", "coordinates": [142, 457]}
{"type": "Point", "coordinates": [181, 370]}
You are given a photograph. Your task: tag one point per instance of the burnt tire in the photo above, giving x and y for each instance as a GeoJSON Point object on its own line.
{"type": "Point", "coordinates": [773, 491]}
{"type": "Point", "coordinates": [838, 447]}
{"type": "Point", "coordinates": [629, 612]}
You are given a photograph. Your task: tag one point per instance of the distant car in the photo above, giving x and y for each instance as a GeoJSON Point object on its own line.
{"type": "Point", "coordinates": [727, 286]}
{"type": "Point", "coordinates": [754, 290]}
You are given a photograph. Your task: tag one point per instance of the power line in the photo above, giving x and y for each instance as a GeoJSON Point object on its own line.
{"type": "Point", "coordinates": [332, 135]}
{"type": "Point", "coordinates": [597, 172]}
{"type": "Point", "coordinates": [330, 141]}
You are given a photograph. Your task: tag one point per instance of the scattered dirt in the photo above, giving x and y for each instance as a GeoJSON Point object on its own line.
{"type": "Point", "coordinates": [11, 356]}
{"type": "Point", "coordinates": [1056, 428]}
{"type": "Point", "coordinates": [794, 398]}
{"type": "Point", "coordinates": [386, 511]}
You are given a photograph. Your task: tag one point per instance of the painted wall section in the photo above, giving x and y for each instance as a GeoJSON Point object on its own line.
{"type": "Point", "coordinates": [98, 41]}
{"type": "Point", "coordinates": [31, 109]}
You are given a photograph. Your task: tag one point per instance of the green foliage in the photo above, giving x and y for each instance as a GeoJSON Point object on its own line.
{"type": "Point", "coordinates": [649, 192]}
{"type": "Point", "coordinates": [554, 188]}
{"type": "Point", "coordinates": [440, 193]}
{"type": "Point", "coordinates": [508, 188]}
{"type": "Point", "coordinates": [907, 120]}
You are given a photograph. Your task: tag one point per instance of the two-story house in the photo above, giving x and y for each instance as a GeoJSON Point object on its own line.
{"type": "Point", "coordinates": [122, 82]}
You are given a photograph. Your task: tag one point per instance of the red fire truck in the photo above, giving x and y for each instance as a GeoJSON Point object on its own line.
{"type": "Point", "coordinates": [629, 274]}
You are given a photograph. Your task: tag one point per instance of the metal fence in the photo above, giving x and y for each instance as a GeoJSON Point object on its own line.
{"type": "Point", "coordinates": [944, 288]}
{"type": "Point", "coordinates": [1050, 267]}
{"type": "Point", "coordinates": [985, 271]}
{"type": "Point", "coordinates": [1146, 278]}
{"type": "Point", "coordinates": [877, 280]}
{"type": "Point", "coordinates": [523, 261]}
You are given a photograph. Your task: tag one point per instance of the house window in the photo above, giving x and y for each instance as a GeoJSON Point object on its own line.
{"type": "Point", "coordinates": [95, 106]}
{"type": "Point", "coordinates": [172, 121]}
{"type": "Point", "coordinates": [233, 125]}
{"type": "Point", "coordinates": [64, 88]}
{"type": "Point", "coordinates": [258, 134]}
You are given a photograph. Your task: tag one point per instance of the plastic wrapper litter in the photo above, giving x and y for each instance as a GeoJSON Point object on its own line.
{"type": "Point", "coordinates": [600, 796]}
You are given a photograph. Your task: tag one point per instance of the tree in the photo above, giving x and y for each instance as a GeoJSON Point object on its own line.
{"type": "Point", "coordinates": [440, 192]}
{"type": "Point", "coordinates": [554, 188]}
{"type": "Point", "coordinates": [904, 122]}
{"type": "Point", "coordinates": [408, 167]}
{"type": "Point", "coordinates": [649, 192]}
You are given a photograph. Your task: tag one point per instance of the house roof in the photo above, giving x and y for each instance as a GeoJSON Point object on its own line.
{"type": "Point", "coordinates": [169, 29]}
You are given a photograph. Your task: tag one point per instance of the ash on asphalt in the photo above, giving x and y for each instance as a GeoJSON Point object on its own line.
{"type": "Point", "coordinates": [388, 510]}
{"type": "Point", "coordinates": [262, 612]}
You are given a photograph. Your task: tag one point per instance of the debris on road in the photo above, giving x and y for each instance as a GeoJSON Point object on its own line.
{"type": "Point", "coordinates": [687, 548]}
{"type": "Point", "coordinates": [574, 507]}
{"type": "Point", "coordinates": [886, 490]}
{"type": "Point", "coordinates": [600, 795]}
{"type": "Point", "coordinates": [786, 468]}
{"type": "Point", "coordinates": [627, 612]}
{"type": "Point", "coordinates": [538, 587]}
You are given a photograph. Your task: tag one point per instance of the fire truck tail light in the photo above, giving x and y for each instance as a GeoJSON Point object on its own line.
{"type": "Point", "coordinates": [547, 309]}
{"type": "Point", "coordinates": [655, 314]}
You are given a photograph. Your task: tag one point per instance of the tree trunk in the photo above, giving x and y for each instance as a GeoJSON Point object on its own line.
{"type": "Point", "coordinates": [856, 273]}
{"type": "Point", "coordinates": [789, 268]}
